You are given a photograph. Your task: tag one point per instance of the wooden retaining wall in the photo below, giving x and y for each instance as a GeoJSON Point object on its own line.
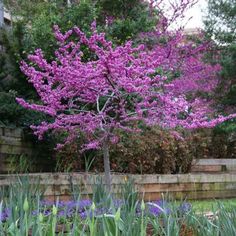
{"type": "Point", "coordinates": [181, 186]}
{"type": "Point", "coordinates": [12, 142]}
{"type": "Point", "coordinates": [213, 165]}
{"type": "Point", "coordinates": [12, 146]}
{"type": "Point", "coordinates": [16, 148]}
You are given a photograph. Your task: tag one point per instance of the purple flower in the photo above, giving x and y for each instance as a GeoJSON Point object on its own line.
{"type": "Point", "coordinates": [66, 208]}
{"type": "Point", "coordinates": [118, 203]}
{"type": "Point", "coordinates": [62, 213]}
{"type": "Point", "coordinates": [185, 207]}
{"type": "Point", "coordinates": [35, 212]}
{"type": "Point", "coordinates": [98, 212]}
{"type": "Point", "coordinates": [47, 212]}
{"type": "Point", "coordinates": [4, 215]}
{"type": "Point", "coordinates": [155, 211]}
{"type": "Point", "coordinates": [83, 215]}
{"type": "Point", "coordinates": [157, 208]}
{"type": "Point", "coordinates": [85, 203]}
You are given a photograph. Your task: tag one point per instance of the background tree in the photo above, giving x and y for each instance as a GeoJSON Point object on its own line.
{"type": "Point", "coordinates": [1, 13]}
{"type": "Point", "coordinates": [220, 24]}
{"type": "Point", "coordinates": [124, 19]}
{"type": "Point", "coordinates": [32, 28]}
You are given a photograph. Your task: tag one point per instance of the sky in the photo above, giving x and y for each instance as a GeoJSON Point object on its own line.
{"type": "Point", "coordinates": [197, 13]}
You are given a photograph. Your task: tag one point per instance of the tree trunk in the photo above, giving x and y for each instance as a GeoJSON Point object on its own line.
{"type": "Point", "coordinates": [106, 162]}
{"type": "Point", "coordinates": [1, 13]}
{"type": "Point", "coordinates": [68, 3]}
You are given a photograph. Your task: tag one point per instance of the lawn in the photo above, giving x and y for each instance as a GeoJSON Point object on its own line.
{"type": "Point", "coordinates": [212, 205]}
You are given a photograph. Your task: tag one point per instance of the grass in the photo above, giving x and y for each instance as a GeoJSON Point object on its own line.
{"type": "Point", "coordinates": [212, 205]}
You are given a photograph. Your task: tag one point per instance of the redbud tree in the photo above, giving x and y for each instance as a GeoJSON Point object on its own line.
{"type": "Point", "coordinates": [119, 87]}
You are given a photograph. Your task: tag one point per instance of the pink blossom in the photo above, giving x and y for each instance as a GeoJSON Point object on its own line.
{"type": "Point", "coordinates": [122, 85]}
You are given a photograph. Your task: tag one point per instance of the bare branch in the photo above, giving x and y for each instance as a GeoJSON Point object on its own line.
{"type": "Point", "coordinates": [107, 101]}
{"type": "Point", "coordinates": [98, 106]}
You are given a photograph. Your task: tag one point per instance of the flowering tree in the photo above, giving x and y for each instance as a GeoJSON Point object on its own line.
{"type": "Point", "coordinates": [119, 87]}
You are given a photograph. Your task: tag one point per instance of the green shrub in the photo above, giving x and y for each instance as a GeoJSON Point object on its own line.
{"type": "Point", "coordinates": [151, 151]}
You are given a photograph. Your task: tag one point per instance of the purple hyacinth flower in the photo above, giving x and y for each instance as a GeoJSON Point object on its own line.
{"type": "Point", "coordinates": [4, 215]}
{"type": "Point", "coordinates": [185, 207]}
{"type": "Point", "coordinates": [157, 208]}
